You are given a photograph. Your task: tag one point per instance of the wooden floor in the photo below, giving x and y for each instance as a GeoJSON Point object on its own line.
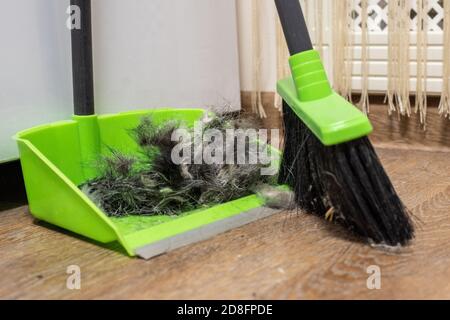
{"type": "Point", "coordinates": [293, 256]}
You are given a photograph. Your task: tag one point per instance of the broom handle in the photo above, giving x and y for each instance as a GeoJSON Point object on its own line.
{"type": "Point", "coordinates": [294, 26]}
{"type": "Point", "coordinates": [82, 75]}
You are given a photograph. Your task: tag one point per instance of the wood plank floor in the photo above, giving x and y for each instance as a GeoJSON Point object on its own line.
{"type": "Point", "coordinates": [293, 256]}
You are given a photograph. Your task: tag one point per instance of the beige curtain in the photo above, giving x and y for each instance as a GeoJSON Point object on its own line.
{"type": "Point", "coordinates": [256, 95]}
{"type": "Point", "coordinates": [342, 42]}
{"type": "Point", "coordinates": [399, 25]}
{"type": "Point", "coordinates": [444, 105]}
{"type": "Point", "coordinates": [282, 58]}
{"type": "Point", "coordinates": [364, 102]}
{"type": "Point", "coordinates": [342, 39]}
{"type": "Point", "coordinates": [422, 58]}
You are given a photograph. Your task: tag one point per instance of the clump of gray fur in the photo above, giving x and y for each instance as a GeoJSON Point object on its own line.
{"type": "Point", "coordinates": [151, 184]}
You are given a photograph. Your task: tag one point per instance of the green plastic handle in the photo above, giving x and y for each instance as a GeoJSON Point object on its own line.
{"type": "Point", "coordinates": [331, 118]}
{"type": "Point", "coordinates": [309, 76]}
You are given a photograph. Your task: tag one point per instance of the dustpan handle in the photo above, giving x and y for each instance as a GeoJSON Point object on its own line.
{"type": "Point", "coordinates": [82, 75]}
{"type": "Point", "coordinates": [294, 26]}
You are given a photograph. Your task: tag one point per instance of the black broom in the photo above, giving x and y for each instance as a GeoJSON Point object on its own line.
{"type": "Point", "coordinates": [342, 182]}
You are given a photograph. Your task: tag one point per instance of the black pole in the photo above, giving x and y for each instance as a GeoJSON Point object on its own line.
{"type": "Point", "coordinates": [82, 75]}
{"type": "Point", "coordinates": [294, 26]}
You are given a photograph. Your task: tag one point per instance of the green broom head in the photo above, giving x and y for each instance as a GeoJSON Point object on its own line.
{"type": "Point", "coordinates": [329, 162]}
{"type": "Point", "coordinates": [331, 118]}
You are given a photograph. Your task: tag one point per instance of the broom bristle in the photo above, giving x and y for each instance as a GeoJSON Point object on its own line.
{"type": "Point", "coordinates": [346, 183]}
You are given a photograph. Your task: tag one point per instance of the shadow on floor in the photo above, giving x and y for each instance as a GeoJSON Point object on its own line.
{"type": "Point", "coordinates": [12, 188]}
{"type": "Point", "coordinates": [113, 246]}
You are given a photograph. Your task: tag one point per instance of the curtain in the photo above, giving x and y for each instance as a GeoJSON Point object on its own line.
{"type": "Point", "coordinates": [267, 40]}
{"type": "Point", "coordinates": [444, 105]}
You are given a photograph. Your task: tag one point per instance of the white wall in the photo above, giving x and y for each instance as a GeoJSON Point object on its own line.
{"type": "Point", "coordinates": [35, 74]}
{"type": "Point", "coordinates": [147, 54]}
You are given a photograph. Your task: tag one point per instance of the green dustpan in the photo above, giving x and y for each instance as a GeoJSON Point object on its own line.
{"type": "Point", "coordinates": [54, 158]}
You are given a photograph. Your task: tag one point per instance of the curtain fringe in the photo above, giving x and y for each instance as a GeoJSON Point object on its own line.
{"type": "Point", "coordinates": [342, 48]}
{"type": "Point", "coordinates": [283, 69]}
{"type": "Point", "coordinates": [399, 22]}
{"type": "Point", "coordinates": [318, 25]}
{"type": "Point", "coordinates": [398, 56]}
{"type": "Point", "coordinates": [422, 57]}
{"type": "Point", "coordinates": [256, 96]}
{"type": "Point", "coordinates": [444, 105]}
{"type": "Point", "coordinates": [364, 102]}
